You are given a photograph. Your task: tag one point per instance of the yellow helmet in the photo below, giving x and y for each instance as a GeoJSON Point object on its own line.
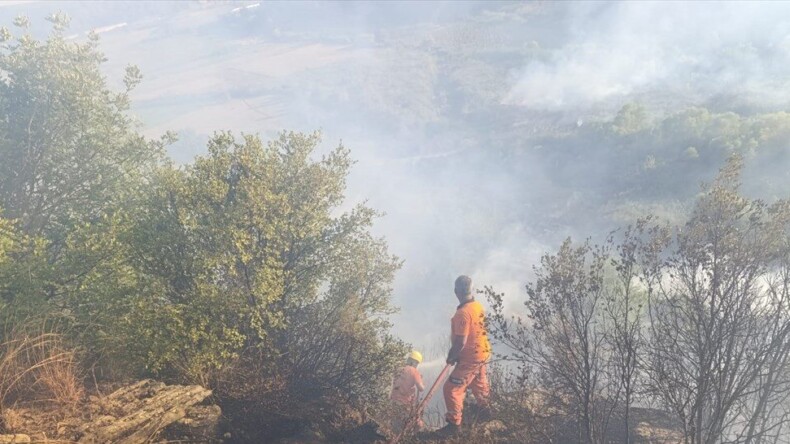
{"type": "Point", "coordinates": [416, 356]}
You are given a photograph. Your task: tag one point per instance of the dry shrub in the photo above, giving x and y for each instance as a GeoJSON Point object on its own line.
{"type": "Point", "coordinates": [59, 376]}
{"type": "Point", "coordinates": [36, 365]}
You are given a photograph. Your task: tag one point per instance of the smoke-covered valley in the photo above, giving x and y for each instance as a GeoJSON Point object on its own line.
{"type": "Point", "coordinates": [487, 132]}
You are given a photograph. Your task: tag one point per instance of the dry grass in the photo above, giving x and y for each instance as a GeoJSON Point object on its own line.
{"type": "Point", "coordinates": [38, 366]}
{"type": "Point", "coordinates": [10, 421]}
{"type": "Point", "coordinates": [59, 378]}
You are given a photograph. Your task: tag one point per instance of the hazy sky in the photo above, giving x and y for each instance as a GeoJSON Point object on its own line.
{"type": "Point", "coordinates": [438, 102]}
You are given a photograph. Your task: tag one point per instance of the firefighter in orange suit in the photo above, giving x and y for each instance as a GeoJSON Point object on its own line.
{"type": "Point", "coordinates": [406, 389]}
{"type": "Point", "coordinates": [470, 352]}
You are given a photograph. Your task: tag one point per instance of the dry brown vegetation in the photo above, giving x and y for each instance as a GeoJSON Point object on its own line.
{"type": "Point", "coordinates": [693, 319]}
{"type": "Point", "coordinates": [40, 380]}
{"type": "Point", "coordinates": [35, 365]}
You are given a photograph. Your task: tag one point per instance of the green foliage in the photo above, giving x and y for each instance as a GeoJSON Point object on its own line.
{"type": "Point", "coordinates": [71, 163]}
{"type": "Point", "coordinates": [8, 240]}
{"type": "Point", "coordinates": [183, 273]}
{"type": "Point", "coordinates": [643, 160]}
{"type": "Point", "coordinates": [234, 250]}
{"type": "Point", "coordinates": [341, 340]}
{"type": "Point", "coordinates": [632, 118]}
{"type": "Point", "coordinates": [24, 273]}
{"type": "Point", "coordinates": [68, 151]}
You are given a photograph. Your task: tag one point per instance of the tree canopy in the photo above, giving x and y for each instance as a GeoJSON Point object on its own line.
{"type": "Point", "coordinates": [239, 258]}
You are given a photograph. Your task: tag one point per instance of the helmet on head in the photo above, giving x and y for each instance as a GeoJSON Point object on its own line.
{"type": "Point", "coordinates": [417, 356]}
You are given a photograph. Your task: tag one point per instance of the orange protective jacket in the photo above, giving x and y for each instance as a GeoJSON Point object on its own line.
{"type": "Point", "coordinates": [405, 385]}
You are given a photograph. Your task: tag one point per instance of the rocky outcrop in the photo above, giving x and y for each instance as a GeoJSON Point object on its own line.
{"type": "Point", "coordinates": [201, 423]}
{"type": "Point", "coordinates": [144, 411]}
{"type": "Point", "coordinates": [137, 413]}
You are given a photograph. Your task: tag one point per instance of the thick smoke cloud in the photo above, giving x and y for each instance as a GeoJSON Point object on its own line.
{"type": "Point", "coordinates": [691, 51]}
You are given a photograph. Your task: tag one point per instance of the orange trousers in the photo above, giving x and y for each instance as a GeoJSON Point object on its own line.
{"type": "Point", "coordinates": [470, 375]}
{"type": "Point", "coordinates": [402, 412]}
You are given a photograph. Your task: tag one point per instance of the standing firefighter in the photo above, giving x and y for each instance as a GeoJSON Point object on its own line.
{"type": "Point", "coordinates": [405, 391]}
{"type": "Point", "coordinates": [469, 353]}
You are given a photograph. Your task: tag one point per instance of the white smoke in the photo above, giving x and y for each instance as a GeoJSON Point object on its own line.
{"type": "Point", "coordinates": [696, 49]}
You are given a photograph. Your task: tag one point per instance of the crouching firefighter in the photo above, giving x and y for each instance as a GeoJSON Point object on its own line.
{"type": "Point", "coordinates": [406, 390]}
{"type": "Point", "coordinates": [469, 354]}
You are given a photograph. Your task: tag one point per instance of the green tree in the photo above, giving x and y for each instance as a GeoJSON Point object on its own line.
{"type": "Point", "coordinates": [68, 151]}
{"type": "Point", "coordinates": [632, 118]}
{"type": "Point", "coordinates": [20, 271]}
{"type": "Point", "coordinates": [71, 161]}
{"type": "Point", "coordinates": [341, 340]}
{"type": "Point", "coordinates": [240, 260]}
{"type": "Point", "coordinates": [240, 249]}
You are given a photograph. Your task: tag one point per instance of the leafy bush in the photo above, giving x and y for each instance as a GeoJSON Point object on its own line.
{"type": "Point", "coordinates": [72, 166]}
{"type": "Point", "coordinates": [243, 249]}
{"type": "Point", "coordinates": [182, 273]}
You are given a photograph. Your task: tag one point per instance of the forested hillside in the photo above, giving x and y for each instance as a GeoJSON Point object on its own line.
{"type": "Point", "coordinates": [280, 218]}
{"type": "Point", "coordinates": [236, 271]}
